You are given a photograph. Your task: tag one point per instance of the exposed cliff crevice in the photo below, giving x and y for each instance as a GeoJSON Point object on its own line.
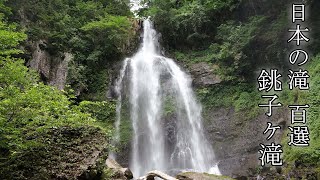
{"type": "Point", "coordinates": [52, 68]}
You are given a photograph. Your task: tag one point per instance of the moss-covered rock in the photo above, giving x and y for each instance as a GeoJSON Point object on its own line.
{"type": "Point", "coordinates": [62, 153]}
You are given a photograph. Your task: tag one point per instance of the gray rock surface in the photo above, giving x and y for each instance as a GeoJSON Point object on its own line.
{"type": "Point", "coordinates": [200, 176]}
{"type": "Point", "coordinates": [52, 68]}
{"type": "Point", "coordinates": [203, 74]}
{"type": "Point", "coordinates": [236, 141]}
{"type": "Point", "coordinates": [156, 174]}
{"type": "Point", "coordinates": [118, 171]}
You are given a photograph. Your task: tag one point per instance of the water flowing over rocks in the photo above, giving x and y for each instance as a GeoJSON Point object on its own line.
{"type": "Point", "coordinates": [155, 86]}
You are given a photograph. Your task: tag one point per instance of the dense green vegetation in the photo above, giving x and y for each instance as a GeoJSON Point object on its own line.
{"type": "Point", "coordinates": [238, 38]}
{"type": "Point", "coordinates": [221, 33]}
{"type": "Point", "coordinates": [38, 123]}
{"type": "Point", "coordinates": [307, 157]}
{"type": "Point", "coordinates": [236, 46]}
{"type": "Point", "coordinates": [97, 33]}
{"type": "Point", "coordinates": [242, 97]}
{"type": "Point", "coordinates": [188, 23]}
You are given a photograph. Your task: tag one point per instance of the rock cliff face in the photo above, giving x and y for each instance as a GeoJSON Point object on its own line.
{"type": "Point", "coordinates": [203, 75]}
{"type": "Point", "coordinates": [236, 141]}
{"type": "Point", "coordinates": [235, 138]}
{"type": "Point", "coordinates": [53, 69]}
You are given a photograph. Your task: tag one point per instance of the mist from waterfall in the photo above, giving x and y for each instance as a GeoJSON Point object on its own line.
{"type": "Point", "coordinates": [167, 133]}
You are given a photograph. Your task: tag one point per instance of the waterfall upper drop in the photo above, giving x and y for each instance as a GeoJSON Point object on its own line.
{"type": "Point", "coordinates": [167, 132]}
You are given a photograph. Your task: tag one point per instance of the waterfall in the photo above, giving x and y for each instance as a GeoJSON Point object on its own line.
{"type": "Point", "coordinates": [167, 133]}
{"type": "Point", "coordinates": [118, 88]}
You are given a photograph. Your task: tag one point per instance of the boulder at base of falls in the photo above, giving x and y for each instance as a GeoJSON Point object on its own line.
{"type": "Point", "coordinates": [200, 176]}
{"type": "Point", "coordinates": [156, 174]}
{"type": "Point", "coordinates": [118, 172]}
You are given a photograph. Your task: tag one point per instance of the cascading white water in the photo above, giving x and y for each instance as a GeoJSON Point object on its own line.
{"type": "Point", "coordinates": [118, 88]}
{"type": "Point", "coordinates": [162, 140]}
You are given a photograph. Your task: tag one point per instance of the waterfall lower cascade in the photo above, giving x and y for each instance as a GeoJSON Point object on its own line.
{"type": "Point", "coordinates": [167, 133]}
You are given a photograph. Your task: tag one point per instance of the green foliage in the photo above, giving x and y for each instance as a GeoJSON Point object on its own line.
{"type": "Point", "coordinates": [308, 155]}
{"type": "Point", "coordinates": [188, 22]}
{"type": "Point", "coordinates": [254, 40]}
{"type": "Point", "coordinates": [29, 110]}
{"type": "Point", "coordinates": [243, 97]}
{"type": "Point", "coordinates": [169, 106]}
{"type": "Point", "coordinates": [27, 106]}
{"type": "Point", "coordinates": [9, 38]}
{"type": "Point", "coordinates": [96, 33]}
{"type": "Point", "coordinates": [103, 111]}
{"type": "Point", "coordinates": [195, 56]}
{"type": "Point", "coordinates": [38, 122]}
{"type": "Point", "coordinates": [96, 84]}
{"type": "Point", "coordinates": [230, 55]}
{"type": "Point", "coordinates": [107, 174]}
{"type": "Point", "coordinates": [4, 9]}
{"type": "Point", "coordinates": [126, 132]}
{"type": "Point", "coordinates": [110, 25]}
{"type": "Point", "coordinates": [248, 102]}
{"type": "Point", "coordinates": [13, 73]}
{"type": "Point", "coordinates": [201, 31]}
{"type": "Point", "coordinates": [60, 152]}
{"type": "Point", "coordinates": [216, 96]}
{"type": "Point", "coordinates": [60, 20]}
